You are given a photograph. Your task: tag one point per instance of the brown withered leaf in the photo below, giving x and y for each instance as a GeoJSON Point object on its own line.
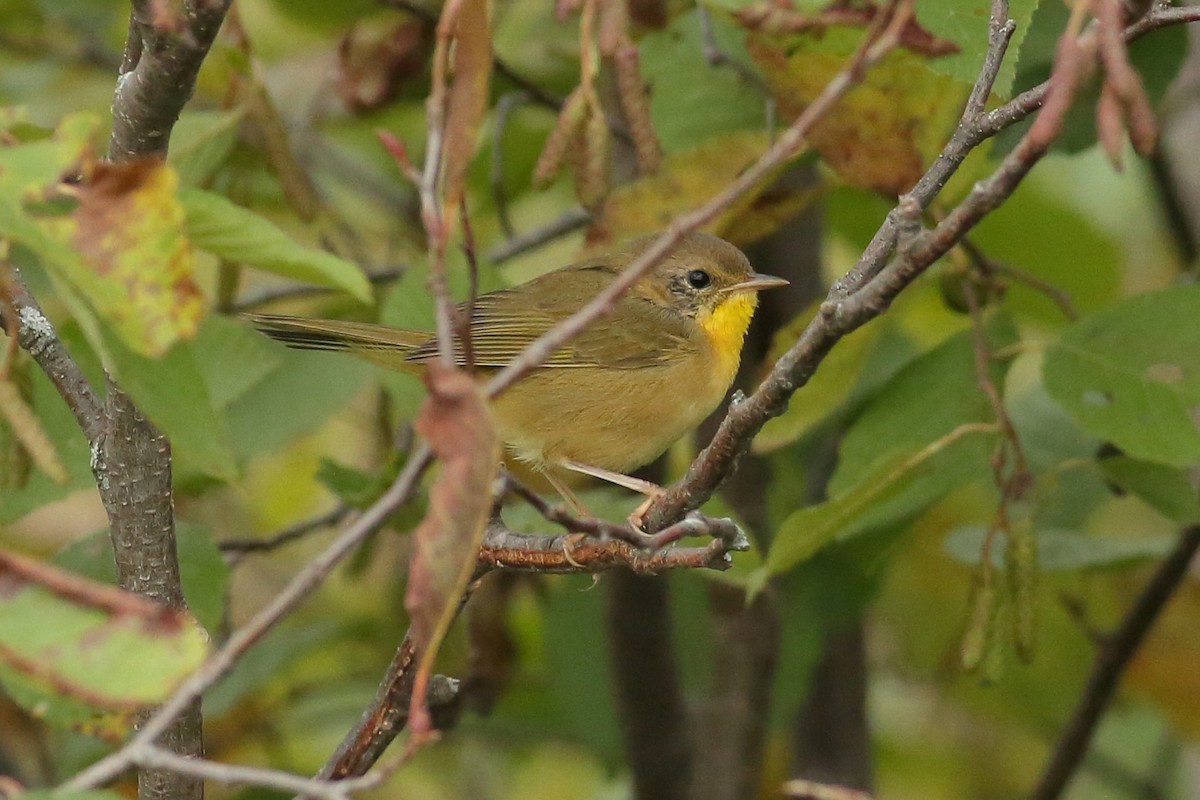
{"type": "Point", "coordinates": [374, 62]}
{"type": "Point", "coordinates": [136, 264]}
{"type": "Point", "coordinates": [468, 95]}
{"type": "Point", "coordinates": [455, 420]}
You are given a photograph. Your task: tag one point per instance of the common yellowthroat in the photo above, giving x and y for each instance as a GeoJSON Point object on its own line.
{"type": "Point", "coordinates": [617, 395]}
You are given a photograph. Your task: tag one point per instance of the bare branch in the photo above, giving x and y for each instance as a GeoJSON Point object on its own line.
{"type": "Point", "coordinates": [159, 74]}
{"type": "Point", "coordinates": [522, 243]}
{"type": "Point", "coordinates": [286, 536]}
{"type": "Point", "coordinates": [1116, 653]}
{"type": "Point", "coordinates": [237, 775]}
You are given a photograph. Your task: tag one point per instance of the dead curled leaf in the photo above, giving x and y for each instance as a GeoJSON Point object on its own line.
{"type": "Point", "coordinates": [468, 95]}
{"type": "Point", "coordinates": [456, 422]}
{"type": "Point", "coordinates": [375, 62]}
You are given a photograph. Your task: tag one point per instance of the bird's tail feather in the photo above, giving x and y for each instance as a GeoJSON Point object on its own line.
{"type": "Point", "coordinates": [378, 344]}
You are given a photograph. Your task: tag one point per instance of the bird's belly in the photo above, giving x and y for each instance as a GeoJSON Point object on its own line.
{"type": "Point", "coordinates": [613, 419]}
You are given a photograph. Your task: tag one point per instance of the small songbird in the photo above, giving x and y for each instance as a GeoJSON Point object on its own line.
{"type": "Point", "coordinates": [617, 395]}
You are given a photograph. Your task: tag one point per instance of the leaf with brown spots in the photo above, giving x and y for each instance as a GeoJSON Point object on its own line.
{"type": "Point", "coordinates": [66, 636]}
{"type": "Point", "coordinates": [455, 420]}
{"type": "Point", "coordinates": [136, 262]}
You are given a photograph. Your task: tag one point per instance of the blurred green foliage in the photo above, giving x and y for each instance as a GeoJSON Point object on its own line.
{"type": "Point", "coordinates": [326, 226]}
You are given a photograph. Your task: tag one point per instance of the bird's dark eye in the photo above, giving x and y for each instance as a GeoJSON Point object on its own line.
{"type": "Point", "coordinates": [698, 279]}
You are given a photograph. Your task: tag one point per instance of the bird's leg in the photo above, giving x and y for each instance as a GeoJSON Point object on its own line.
{"type": "Point", "coordinates": [566, 494]}
{"type": "Point", "coordinates": [652, 490]}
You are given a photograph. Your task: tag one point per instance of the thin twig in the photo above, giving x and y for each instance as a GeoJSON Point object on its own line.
{"type": "Point", "coordinates": [522, 243]}
{"type": "Point", "coordinates": [264, 297]}
{"type": "Point", "coordinates": [238, 775]}
{"type": "Point", "coordinates": [1057, 295]}
{"type": "Point", "coordinates": [36, 336]}
{"type": "Point", "coordinates": [223, 659]}
{"type": "Point", "coordinates": [788, 145]}
{"type": "Point", "coordinates": [696, 525]}
{"type": "Point", "coordinates": [1110, 664]}
{"type": "Point", "coordinates": [290, 534]}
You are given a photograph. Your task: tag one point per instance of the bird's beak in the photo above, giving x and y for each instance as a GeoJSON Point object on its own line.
{"type": "Point", "coordinates": [757, 282]}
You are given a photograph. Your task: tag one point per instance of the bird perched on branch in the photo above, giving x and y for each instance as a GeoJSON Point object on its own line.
{"type": "Point", "coordinates": [614, 397]}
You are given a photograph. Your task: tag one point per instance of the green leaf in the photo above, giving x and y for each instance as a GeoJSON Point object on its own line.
{"type": "Point", "coordinates": [172, 392]}
{"type": "Point", "coordinates": [354, 487]}
{"type": "Point", "coordinates": [63, 712]}
{"type": "Point", "coordinates": [1061, 550]}
{"type": "Point", "coordinates": [894, 490]}
{"type": "Point", "coordinates": [202, 569]}
{"type": "Point", "coordinates": [1131, 374]}
{"type": "Point", "coordinates": [1165, 489]}
{"type": "Point", "coordinates": [1019, 234]}
{"type": "Point", "coordinates": [231, 232]}
{"type": "Point", "coordinates": [916, 441]}
{"type": "Point", "coordinates": [200, 143]}
{"type": "Point", "coordinates": [60, 427]}
{"type": "Point", "coordinates": [857, 367]}
{"type": "Point", "coordinates": [965, 22]}
{"type": "Point", "coordinates": [690, 99]}
{"type": "Point", "coordinates": [108, 648]}
{"type": "Point", "coordinates": [232, 358]}
{"type": "Point", "coordinates": [292, 399]}
{"type": "Point", "coordinates": [132, 262]}
{"type": "Point", "coordinates": [28, 171]}
{"type": "Point", "coordinates": [932, 396]}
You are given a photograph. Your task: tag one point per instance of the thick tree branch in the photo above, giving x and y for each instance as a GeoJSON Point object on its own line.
{"type": "Point", "coordinates": [1114, 656]}
{"type": "Point", "coordinates": [162, 58]}
{"type": "Point", "coordinates": [132, 463]}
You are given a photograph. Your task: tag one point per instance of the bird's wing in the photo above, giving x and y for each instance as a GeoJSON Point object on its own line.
{"type": "Point", "coordinates": [637, 334]}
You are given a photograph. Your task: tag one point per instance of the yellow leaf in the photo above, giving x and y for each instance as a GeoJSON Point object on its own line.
{"type": "Point", "coordinates": [136, 266]}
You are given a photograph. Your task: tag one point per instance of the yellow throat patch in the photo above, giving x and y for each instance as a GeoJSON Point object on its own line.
{"type": "Point", "coordinates": [725, 326]}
